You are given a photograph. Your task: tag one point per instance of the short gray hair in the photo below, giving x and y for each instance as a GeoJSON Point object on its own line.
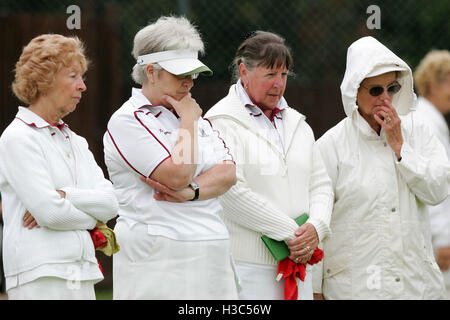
{"type": "Point", "coordinates": [167, 33]}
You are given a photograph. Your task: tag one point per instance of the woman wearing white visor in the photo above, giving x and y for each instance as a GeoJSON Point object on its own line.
{"type": "Point", "coordinates": [168, 167]}
{"type": "Point", "coordinates": [385, 166]}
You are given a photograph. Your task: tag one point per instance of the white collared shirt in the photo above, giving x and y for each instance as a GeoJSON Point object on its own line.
{"type": "Point", "coordinates": [275, 130]}
{"type": "Point", "coordinates": [139, 138]}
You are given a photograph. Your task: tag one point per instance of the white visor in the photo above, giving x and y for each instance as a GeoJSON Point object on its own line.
{"type": "Point", "coordinates": [177, 62]}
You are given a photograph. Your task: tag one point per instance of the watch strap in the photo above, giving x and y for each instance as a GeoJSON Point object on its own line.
{"type": "Point", "coordinates": [196, 189]}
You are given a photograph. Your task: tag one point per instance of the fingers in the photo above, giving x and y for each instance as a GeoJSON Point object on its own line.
{"type": "Point", "coordinates": [185, 107]}
{"type": "Point", "coordinates": [29, 221]}
{"type": "Point", "coordinates": [170, 100]}
{"type": "Point", "coordinates": [164, 193]}
{"type": "Point", "coordinates": [379, 120]}
{"type": "Point", "coordinates": [301, 256]}
{"type": "Point", "coordinates": [173, 102]}
{"type": "Point", "coordinates": [61, 193]}
{"type": "Point", "coordinates": [303, 245]}
{"type": "Point", "coordinates": [165, 197]}
{"type": "Point", "coordinates": [155, 185]}
{"type": "Point", "coordinates": [305, 235]}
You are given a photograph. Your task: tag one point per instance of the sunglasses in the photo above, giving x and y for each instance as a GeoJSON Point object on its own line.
{"type": "Point", "coordinates": [378, 90]}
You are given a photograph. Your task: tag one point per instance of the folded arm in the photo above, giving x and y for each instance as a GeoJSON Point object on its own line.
{"type": "Point", "coordinates": [31, 180]}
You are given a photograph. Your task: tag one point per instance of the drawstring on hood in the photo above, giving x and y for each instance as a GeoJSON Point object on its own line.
{"type": "Point", "coordinates": [367, 57]}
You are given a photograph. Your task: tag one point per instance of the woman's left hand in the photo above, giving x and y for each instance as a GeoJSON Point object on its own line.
{"type": "Point", "coordinates": [162, 192]}
{"type": "Point", "coordinates": [303, 245]}
{"type": "Point", "coordinates": [389, 120]}
{"type": "Point", "coordinates": [29, 221]}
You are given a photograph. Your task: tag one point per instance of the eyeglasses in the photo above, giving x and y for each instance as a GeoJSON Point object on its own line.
{"type": "Point", "coordinates": [378, 90]}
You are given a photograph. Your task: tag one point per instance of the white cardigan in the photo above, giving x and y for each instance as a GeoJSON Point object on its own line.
{"type": "Point", "coordinates": [272, 189]}
{"type": "Point", "coordinates": [36, 159]}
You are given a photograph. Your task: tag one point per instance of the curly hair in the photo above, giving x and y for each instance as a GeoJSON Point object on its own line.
{"type": "Point", "coordinates": [433, 69]}
{"type": "Point", "coordinates": [41, 59]}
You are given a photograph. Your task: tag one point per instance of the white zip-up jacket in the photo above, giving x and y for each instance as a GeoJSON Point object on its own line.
{"type": "Point", "coordinates": [380, 247]}
{"type": "Point", "coordinates": [36, 159]}
{"type": "Point", "coordinates": [272, 188]}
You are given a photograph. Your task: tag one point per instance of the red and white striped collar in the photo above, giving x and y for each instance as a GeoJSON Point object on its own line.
{"type": "Point", "coordinates": [140, 101]}
{"type": "Point", "coordinates": [32, 119]}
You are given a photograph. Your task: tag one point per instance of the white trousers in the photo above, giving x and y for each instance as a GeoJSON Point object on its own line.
{"type": "Point", "coordinates": [258, 282]}
{"type": "Point", "coordinates": [52, 288]}
{"type": "Point", "coordinates": [156, 267]}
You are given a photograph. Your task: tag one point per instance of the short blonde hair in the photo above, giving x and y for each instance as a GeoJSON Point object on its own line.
{"type": "Point", "coordinates": [433, 69]}
{"type": "Point", "coordinates": [41, 59]}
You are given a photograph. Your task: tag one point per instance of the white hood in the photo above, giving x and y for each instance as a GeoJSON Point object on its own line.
{"type": "Point", "coordinates": [367, 57]}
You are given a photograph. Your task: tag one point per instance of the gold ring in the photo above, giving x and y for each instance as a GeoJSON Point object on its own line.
{"type": "Point", "coordinates": [387, 120]}
{"type": "Point", "coordinates": [297, 260]}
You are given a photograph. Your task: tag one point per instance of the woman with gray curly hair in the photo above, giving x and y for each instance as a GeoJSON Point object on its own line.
{"type": "Point", "coordinates": [168, 167]}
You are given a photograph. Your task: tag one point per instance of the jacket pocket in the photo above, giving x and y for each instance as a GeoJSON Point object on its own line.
{"type": "Point", "coordinates": [337, 277]}
{"type": "Point", "coordinates": [334, 265]}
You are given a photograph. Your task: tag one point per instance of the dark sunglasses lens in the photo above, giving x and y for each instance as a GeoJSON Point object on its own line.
{"type": "Point", "coordinates": [376, 91]}
{"type": "Point", "coordinates": [394, 88]}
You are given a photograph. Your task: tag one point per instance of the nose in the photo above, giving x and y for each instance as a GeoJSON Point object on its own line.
{"type": "Point", "coordinates": [385, 95]}
{"type": "Point", "coordinates": [81, 86]}
{"type": "Point", "coordinates": [278, 82]}
{"type": "Point", "coordinates": [188, 82]}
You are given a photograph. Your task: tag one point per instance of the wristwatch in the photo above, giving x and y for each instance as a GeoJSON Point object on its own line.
{"type": "Point", "coordinates": [196, 189]}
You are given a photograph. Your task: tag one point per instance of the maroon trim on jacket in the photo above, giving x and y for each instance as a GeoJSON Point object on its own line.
{"type": "Point", "coordinates": [123, 157]}
{"type": "Point", "coordinates": [223, 141]}
{"type": "Point", "coordinates": [149, 131]}
{"type": "Point", "coordinates": [60, 126]}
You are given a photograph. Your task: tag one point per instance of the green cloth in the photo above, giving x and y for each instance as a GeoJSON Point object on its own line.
{"type": "Point", "coordinates": [112, 246]}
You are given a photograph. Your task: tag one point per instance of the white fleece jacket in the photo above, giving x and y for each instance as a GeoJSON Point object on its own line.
{"type": "Point", "coordinates": [36, 159]}
{"type": "Point", "coordinates": [273, 188]}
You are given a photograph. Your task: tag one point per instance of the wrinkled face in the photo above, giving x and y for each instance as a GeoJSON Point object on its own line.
{"type": "Point", "coordinates": [67, 89]}
{"type": "Point", "coordinates": [265, 86]}
{"type": "Point", "coordinates": [366, 102]}
{"type": "Point", "coordinates": [441, 95]}
{"type": "Point", "coordinates": [166, 83]}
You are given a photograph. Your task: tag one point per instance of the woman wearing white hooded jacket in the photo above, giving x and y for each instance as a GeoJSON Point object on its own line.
{"type": "Point", "coordinates": [385, 166]}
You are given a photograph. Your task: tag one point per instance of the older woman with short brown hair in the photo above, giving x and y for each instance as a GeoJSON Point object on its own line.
{"type": "Point", "coordinates": [53, 191]}
{"type": "Point", "coordinates": [279, 170]}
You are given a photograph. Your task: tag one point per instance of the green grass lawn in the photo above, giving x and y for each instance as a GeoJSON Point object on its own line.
{"type": "Point", "coordinates": [104, 293]}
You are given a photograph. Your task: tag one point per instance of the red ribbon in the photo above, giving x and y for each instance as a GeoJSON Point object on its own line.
{"type": "Point", "coordinates": [291, 270]}
{"type": "Point", "coordinates": [275, 111]}
{"type": "Point", "coordinates": [99, 240]}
